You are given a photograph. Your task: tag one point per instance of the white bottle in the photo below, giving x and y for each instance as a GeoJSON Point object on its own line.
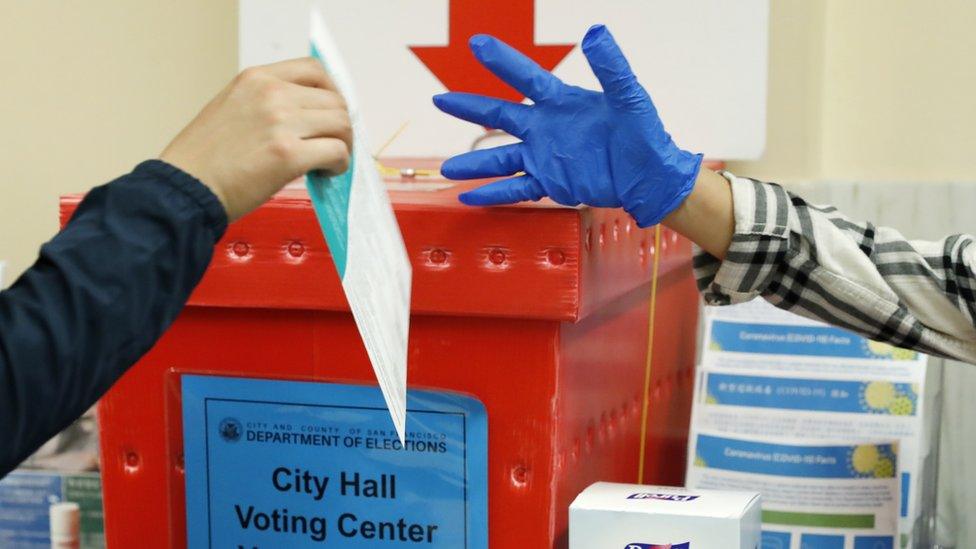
{"type": "Point", "coordinates": [65, 526]}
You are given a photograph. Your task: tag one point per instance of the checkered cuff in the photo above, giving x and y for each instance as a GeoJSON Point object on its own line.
{"type": "Point", "coordinates": [758, 246]}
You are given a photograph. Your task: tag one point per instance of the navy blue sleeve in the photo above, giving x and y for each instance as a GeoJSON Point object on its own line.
{"type": "Point", "coordinates": [99, 296]}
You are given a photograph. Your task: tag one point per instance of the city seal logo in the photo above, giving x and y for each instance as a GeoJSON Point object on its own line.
{"type": "Point", "coordinates": [230, 429]}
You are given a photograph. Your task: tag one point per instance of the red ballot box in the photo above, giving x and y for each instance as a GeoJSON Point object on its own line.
{"type": "Point", "coordinates": [539, 312]}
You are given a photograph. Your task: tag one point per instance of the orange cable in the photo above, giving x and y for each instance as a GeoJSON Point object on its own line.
{"type": "Point", "coordinates": [650, 352]}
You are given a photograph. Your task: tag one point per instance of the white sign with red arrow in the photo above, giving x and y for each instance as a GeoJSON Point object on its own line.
{"type": "Point", "coordinates": [703, 61]}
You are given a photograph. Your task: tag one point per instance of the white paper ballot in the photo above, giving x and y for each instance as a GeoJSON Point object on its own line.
{"type": "Point", "coordinates": [358, 223]}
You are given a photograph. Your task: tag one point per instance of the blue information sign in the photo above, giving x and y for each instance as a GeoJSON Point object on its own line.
{"type": "Point", "coordinates": [292, 464]}
{"type": "Point", "coordinates": [25, 500]}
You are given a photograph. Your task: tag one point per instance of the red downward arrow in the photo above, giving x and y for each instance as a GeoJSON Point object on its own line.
{"type": "Point", "coordinates": [512, 21]}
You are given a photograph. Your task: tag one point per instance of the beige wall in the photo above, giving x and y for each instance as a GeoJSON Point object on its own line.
{"type": "Point", "coordinates": [89, 88]}
{"type": "Point", "coordinates": [870, 90]}
{"type": "Point", "coordinates": [898, 94]}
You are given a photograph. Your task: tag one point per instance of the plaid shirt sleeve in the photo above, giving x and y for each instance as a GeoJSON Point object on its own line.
{"type": "Point", "coordinates": [815, 262]}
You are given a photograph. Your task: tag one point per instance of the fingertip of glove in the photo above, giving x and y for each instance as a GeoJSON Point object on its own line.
{"type": "Point", "coordinates": [469, 199]}
{"type": "Point", "coordinates": [441, 100]}
{"type": "Point", "coordinates": [596, 28]}
{"type": "Point", "coordinates": [447, 169]}
{"type": "Point", "coordinates": [595, 33]}
{"type": "Point", "coordinates": [478, 40]}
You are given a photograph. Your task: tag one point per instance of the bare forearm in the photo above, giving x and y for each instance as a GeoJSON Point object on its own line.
{"type": "Point", "coordinates": [706, 216]}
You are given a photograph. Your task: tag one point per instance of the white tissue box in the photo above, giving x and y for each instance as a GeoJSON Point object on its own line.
{"type": "Point", "coordinates": [631, 516]}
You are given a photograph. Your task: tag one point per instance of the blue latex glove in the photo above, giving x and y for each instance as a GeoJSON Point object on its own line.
{"type": "Point", "coordinates": [578, 146]}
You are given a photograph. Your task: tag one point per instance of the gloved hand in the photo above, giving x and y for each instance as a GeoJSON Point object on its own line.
{"type": "Point", "coordinates": [578, 146]}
